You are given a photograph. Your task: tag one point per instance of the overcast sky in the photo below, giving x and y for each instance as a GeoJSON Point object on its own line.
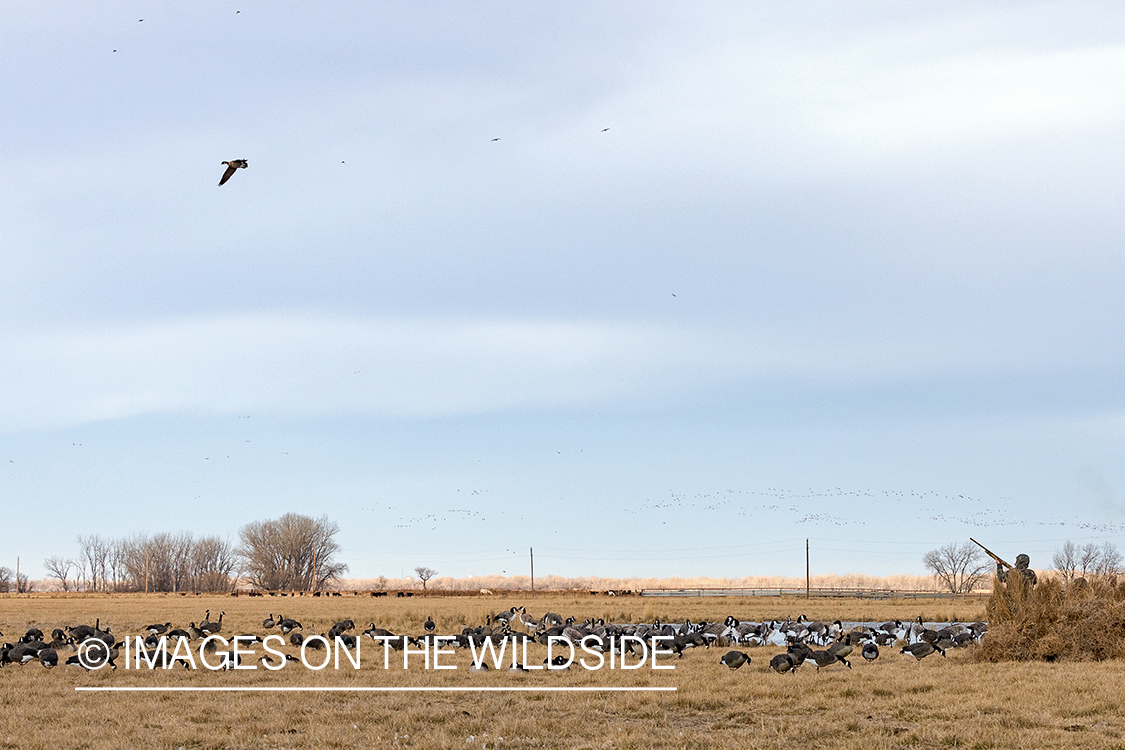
{"type": "Point", "coordinates": [654, 289]}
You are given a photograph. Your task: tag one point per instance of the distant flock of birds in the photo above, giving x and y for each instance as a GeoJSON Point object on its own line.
{"type": "Point", "coordinates": [816, 643]}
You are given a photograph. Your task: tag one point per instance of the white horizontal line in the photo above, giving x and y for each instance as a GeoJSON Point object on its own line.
{"type": "Point", "coordinates": [375, 689]}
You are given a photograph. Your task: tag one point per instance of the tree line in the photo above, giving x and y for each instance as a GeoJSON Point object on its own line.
{"type": "Point", "coordinates": [293, 552]}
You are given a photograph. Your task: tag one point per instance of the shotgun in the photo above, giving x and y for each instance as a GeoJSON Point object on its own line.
{"type": "Point", "coordinates": [991, 554]}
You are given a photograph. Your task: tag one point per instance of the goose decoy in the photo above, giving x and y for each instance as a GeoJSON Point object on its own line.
{"type": "Point", "coordinates": [233, 166]}
{"type": "Point", "coordinates": [268, 622]}
{"type": "Point", "coordinates": [429, 624]}
{"type": "Point", "coordinates": [288, 624]}
{"type": "Point", "coordinates": [921, 650]}
{"type": "Point", "coordinates": [734, 659]}
{"type": "Point", "coordinates": [210, 628]}
{"type": "Point", "coordinates": [870, 651]}
{"type": "Point", "coordinates": [158, 629]}
{"type": "Point", "coordinates": [824, 659]}
{"type": "Point", "coordinates": [783, 663]}
{"type": "Point", "coordinates": [48, 657]}
{"type": "Point", "coordinates": [841, 649]}
{"type": "Point", "coordinates": [558, 662]}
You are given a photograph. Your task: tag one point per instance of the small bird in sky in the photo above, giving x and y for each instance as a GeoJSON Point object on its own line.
{"type": "Point", "coordinates": [605, 130]}
{"type": "Point", "coordinates": [232, 166]}
{"type": "Point", "coordinates": [495, 139]}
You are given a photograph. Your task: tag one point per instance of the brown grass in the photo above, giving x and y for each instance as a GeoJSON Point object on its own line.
{"type": "Point", "coordinates": [891, 703]}
{"type": "Point", "coordinates": [1081, 622]}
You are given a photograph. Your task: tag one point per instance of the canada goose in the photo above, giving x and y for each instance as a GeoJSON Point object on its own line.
{"type": "Point", "coordinates": [32, 634]}
{"type": "Point", "coordinates": [870, 651]}
{"type": "Point", "coordinates": [825, 659]}
{"type": "Point", "coordinates": [210, 628]}
{"type": "Point", "coordinates": [783, 663]}
{"type": "Point", "coordinates": [48, 657]}
{"type": "Point", "coordinates": [921, 650]}
{"type": "Point", "coordinates": [343, 625]}
{"type": "Point", "coordinates": [158, 629]}
{"type": "Point", "coordinates": [374, 633]}
{"type": "Point", "coordinates": [82, 632]}
{"type": "Point", "coordinates": [179, 633]}
{"type": "Point", "coordinates": [506, 616]}
{"type": "Point", "coordinates": [734, 659]}
{"type": "Point", "coordinates": [94, 653]}
{"type": "Point", "coordinates": [429, 625]}
{"type": "Point", "coordinates": [268, 622]}
{"type": "Point", "coordinates": [296, 638]}
{"type": "Point", "coordinates": [481, 667]}
{"type": "Point", "coordinates": [558, 662]}
{"type": "Point", "coordinates": [105, 636]}
{"type": "Point", "coordinates": [841, 649]}
{"type": "Point", "coordinates": [233, 166]}
{"type": "Point", "coordinates": [195, 633]}
{"type": "Point", "coordinates": [288, 624]}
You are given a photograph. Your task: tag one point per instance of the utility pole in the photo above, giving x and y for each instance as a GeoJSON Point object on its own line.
{"type": "Point", "coordinates": [807, 578]}
{"type": "Point", "coordinates": [532, 549]}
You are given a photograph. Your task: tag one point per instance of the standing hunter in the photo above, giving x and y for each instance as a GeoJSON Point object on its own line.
{"type": "Point", "coordinates": [1023, 565]}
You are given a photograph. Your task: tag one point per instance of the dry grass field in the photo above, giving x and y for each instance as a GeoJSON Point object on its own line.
{"type": "Point", "coordinates": [890, 703]}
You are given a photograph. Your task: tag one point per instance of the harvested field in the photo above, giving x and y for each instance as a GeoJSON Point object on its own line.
{"type": "Point", "coordinates": [892, 702]}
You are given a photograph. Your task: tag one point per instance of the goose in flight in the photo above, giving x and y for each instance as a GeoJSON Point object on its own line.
{"type": "Point", "coordinates": [232, 166]}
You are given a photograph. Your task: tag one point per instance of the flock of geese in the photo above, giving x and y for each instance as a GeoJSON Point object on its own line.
{"type": "Point", "coordinates": [814, 643]}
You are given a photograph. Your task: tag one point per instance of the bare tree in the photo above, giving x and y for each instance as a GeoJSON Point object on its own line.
{"type": "Point", "coordinates": [1066, 561]}
{"type": "Point", "coordinates": [959, 567]}
{"type": "Point", "coordinates": [1088, 557]}
{"type": "Point", "coordinates": [213, 565]}
{"type": "Point", "coordinates": [424, 574]}
{"type": "Point", "coordinates": [59, 568]}
{"type": "Point", "coordinates": [1109, 560]}
{"type": "Point", "coordinates": [6, 576]}
{"type": "Point", "coordinates": [293, 552]}
{"type": "Point", "coordinates": [94, 551]}
{"type": "Point", "coordinates": [24, 585]}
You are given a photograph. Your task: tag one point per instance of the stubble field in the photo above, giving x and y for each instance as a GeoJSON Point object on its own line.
{"type": "Point", "coordinates": [890, 703]}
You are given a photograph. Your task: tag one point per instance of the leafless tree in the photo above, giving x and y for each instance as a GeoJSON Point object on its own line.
{"type": "Point", "coordinates": [1066, 561]}
{"type": "Point", "coordinates": [293, 552]}
{"type": "Point", "coordinates": [6, 576]}
{"type": "Point", "coordinates": [94, 552]}
{"type": "Point", "coordinates": [959, 567]}
{"type": "Point", "coordinates": [1088, 557]}
{"type": "Point", "coordinates": [24, 584]}
{"type": "Point", "coordinates": [1109, 560]}
{"type": "Point", "coordinates": [424, 574]}
{"type": "Point", "coordinates": [213, 565]}
{"type": "Point", "coordinates": [59, 568]}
